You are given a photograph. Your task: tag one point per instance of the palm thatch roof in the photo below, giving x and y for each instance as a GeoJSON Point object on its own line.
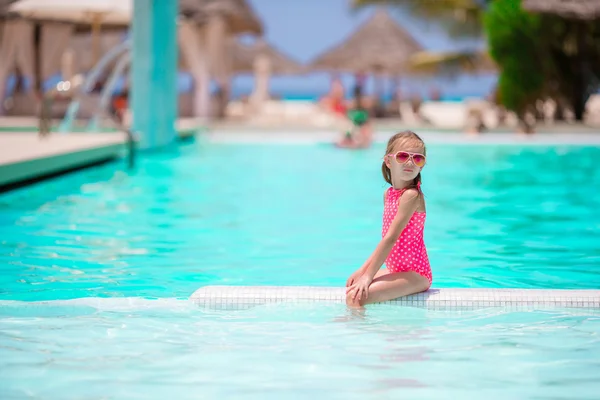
{"type": "Point", "coordinates": [380, 44]}
{"type": "Point", "coordinates": [82, 15]}
{"type": "Point", "coordinates": [240, 16]}
{"type": "Point", "coordinates": [572, 9]}
{"type": "Point", "coordinates": [244, 56]}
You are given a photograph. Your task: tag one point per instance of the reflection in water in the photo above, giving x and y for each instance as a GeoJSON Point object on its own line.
{"type": "Point", "coordinates": [394, 340]}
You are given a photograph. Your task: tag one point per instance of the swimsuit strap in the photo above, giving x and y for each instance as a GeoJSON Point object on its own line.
{"type": "Point", "coordinates": [401, 191]}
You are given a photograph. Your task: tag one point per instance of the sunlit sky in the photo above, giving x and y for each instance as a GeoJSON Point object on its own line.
{"type": "Point", "coordinates": [304, 29]}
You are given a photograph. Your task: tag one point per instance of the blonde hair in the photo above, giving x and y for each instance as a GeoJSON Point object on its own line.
{"type": "Point", "coordinates": [405, 136]}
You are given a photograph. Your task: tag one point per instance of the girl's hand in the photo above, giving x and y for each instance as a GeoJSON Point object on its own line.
{"type": "Point", "coordinates": [360, 289]}
{"type": "Point", "coordinates": [354, 277]}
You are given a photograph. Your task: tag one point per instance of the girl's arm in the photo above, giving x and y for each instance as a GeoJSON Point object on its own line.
{"type": "Point", "coordinates": [409, 201]}
{"type": "Point", "coordinates": [368, 262]}
{"type": "Point", "coordinates": [360, 271]}
{"type": "Point", "coordinates": [364, 267]}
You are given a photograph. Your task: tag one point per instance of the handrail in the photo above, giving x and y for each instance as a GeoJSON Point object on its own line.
{"type": "Point", "coordinates": [123, 63]}
{"type": "Point", "coordinates": [117, 123]}
{"type": "Point", "coordinates": [90, 81]}
{"type": "Point", "coordinates": [45, 114]}
{"type": "Point", "coordinates": [44, 125]}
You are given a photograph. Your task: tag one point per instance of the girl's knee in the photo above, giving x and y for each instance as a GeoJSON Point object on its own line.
{"type": "Point", "coordinates": [352, 302]}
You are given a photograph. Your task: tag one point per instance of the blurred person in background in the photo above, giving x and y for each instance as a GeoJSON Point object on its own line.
{"type": "Point", "coordinates": [360, 135]}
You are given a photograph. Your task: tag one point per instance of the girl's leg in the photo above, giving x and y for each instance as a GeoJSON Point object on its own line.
{"type": "Point", "coordinates": [390, 286]}
{"type": "Point", "coordinates": [382, 271]}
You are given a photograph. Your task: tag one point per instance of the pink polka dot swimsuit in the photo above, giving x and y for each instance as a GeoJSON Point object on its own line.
{"type": "Point", "coordinates": [409, 252]}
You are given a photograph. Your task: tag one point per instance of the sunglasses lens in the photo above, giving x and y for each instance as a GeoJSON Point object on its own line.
{"type": "Point", "coordinates": [419, 160]}
{"type": "Point", "coordinates": [402, 157]}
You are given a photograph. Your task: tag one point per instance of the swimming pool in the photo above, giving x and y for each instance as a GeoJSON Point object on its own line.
{"type": "Point", "coordinates": [205, 213]}
{"type": "Point", "coordinates": [267, 214]}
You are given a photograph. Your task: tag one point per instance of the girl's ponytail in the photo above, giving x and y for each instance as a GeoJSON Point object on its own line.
{"type": "Point", "coordinates": [416, 183]}
{"type": "Point", "coordinates": [387, 174]}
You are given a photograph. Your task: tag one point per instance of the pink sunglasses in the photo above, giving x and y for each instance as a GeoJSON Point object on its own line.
{"type": "Point", "coordinates": [402, 157]}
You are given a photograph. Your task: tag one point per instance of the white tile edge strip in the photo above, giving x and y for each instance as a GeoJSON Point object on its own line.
{"type": "Point", "coordinates": [450, 298]}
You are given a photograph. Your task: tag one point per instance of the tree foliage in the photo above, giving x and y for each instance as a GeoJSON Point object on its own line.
{"type": "Point", "coordinates": [543, 56]}
{"type": "Point", "coordinates": [539, 56]}
{"type": "Point", "coordinates": [516, 44]}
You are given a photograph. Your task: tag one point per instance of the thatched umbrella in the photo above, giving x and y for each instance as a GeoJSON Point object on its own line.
{"type": "Point", "coordinates": [219, 20]}
{"type": "Point", "coordinates": [58, 20]}
{"type": "Point", "coordinates": [379, 45]}
{"type": "Point", "coordinates": [263, 60]}
{"type": "Point", "coordinates": [109, 12]}
{"type": "Point", "coordinates": [97, 14]}
{"type": "Point", "coordinates": [246, 55]}
{"type": "Point", "coordinates": [239, 15]}
{"type": "Point", "coordinates": [570, 9]}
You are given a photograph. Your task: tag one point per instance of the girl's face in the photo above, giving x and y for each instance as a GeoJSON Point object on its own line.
{"type": "Point", "coordinates": [406, 160]}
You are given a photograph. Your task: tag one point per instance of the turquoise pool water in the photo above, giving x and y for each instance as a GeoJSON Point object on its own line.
{"type": "Point", "coordinates": [254, 214]}
{"type": "Point", "coordinates": [170, 349]}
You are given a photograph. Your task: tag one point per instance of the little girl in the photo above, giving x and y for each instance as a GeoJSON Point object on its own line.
{"type": "Point", "coordinates": [402, 247]}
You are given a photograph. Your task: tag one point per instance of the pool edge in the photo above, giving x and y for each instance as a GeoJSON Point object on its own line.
{"type": "Point", "coordinates": [236, 296]}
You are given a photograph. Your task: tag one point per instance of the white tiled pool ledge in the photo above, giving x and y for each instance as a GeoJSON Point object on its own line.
{"type": "Point", "coordinates": [234, 297]}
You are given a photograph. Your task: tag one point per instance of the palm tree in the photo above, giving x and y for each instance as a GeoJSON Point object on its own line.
{"type": "Point", "coordinates": [452, 62]}
{"type": "Point", "coordinates": [461, 18]}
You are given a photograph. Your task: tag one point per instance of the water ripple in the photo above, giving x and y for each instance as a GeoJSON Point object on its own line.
{"type": "Point", "coordinates": [255, 214]}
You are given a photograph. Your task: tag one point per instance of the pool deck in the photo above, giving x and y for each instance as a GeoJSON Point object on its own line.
{"type": "Point", "coordinates": [186, 127]}
{"type": "Point", "coordinates": [230, 131]}
{"type": "Point", "coordinates": [26, 157]}
{"type": "Point", "coordinates": [430, 137]}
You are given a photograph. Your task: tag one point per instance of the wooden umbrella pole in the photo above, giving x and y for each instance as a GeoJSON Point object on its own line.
{"type": "Point", "coordinates": [378, 106]}
{"type": "Point", "coordinates": [96, 25]}
{"type": "Point", "coordinates": [396, 87]}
